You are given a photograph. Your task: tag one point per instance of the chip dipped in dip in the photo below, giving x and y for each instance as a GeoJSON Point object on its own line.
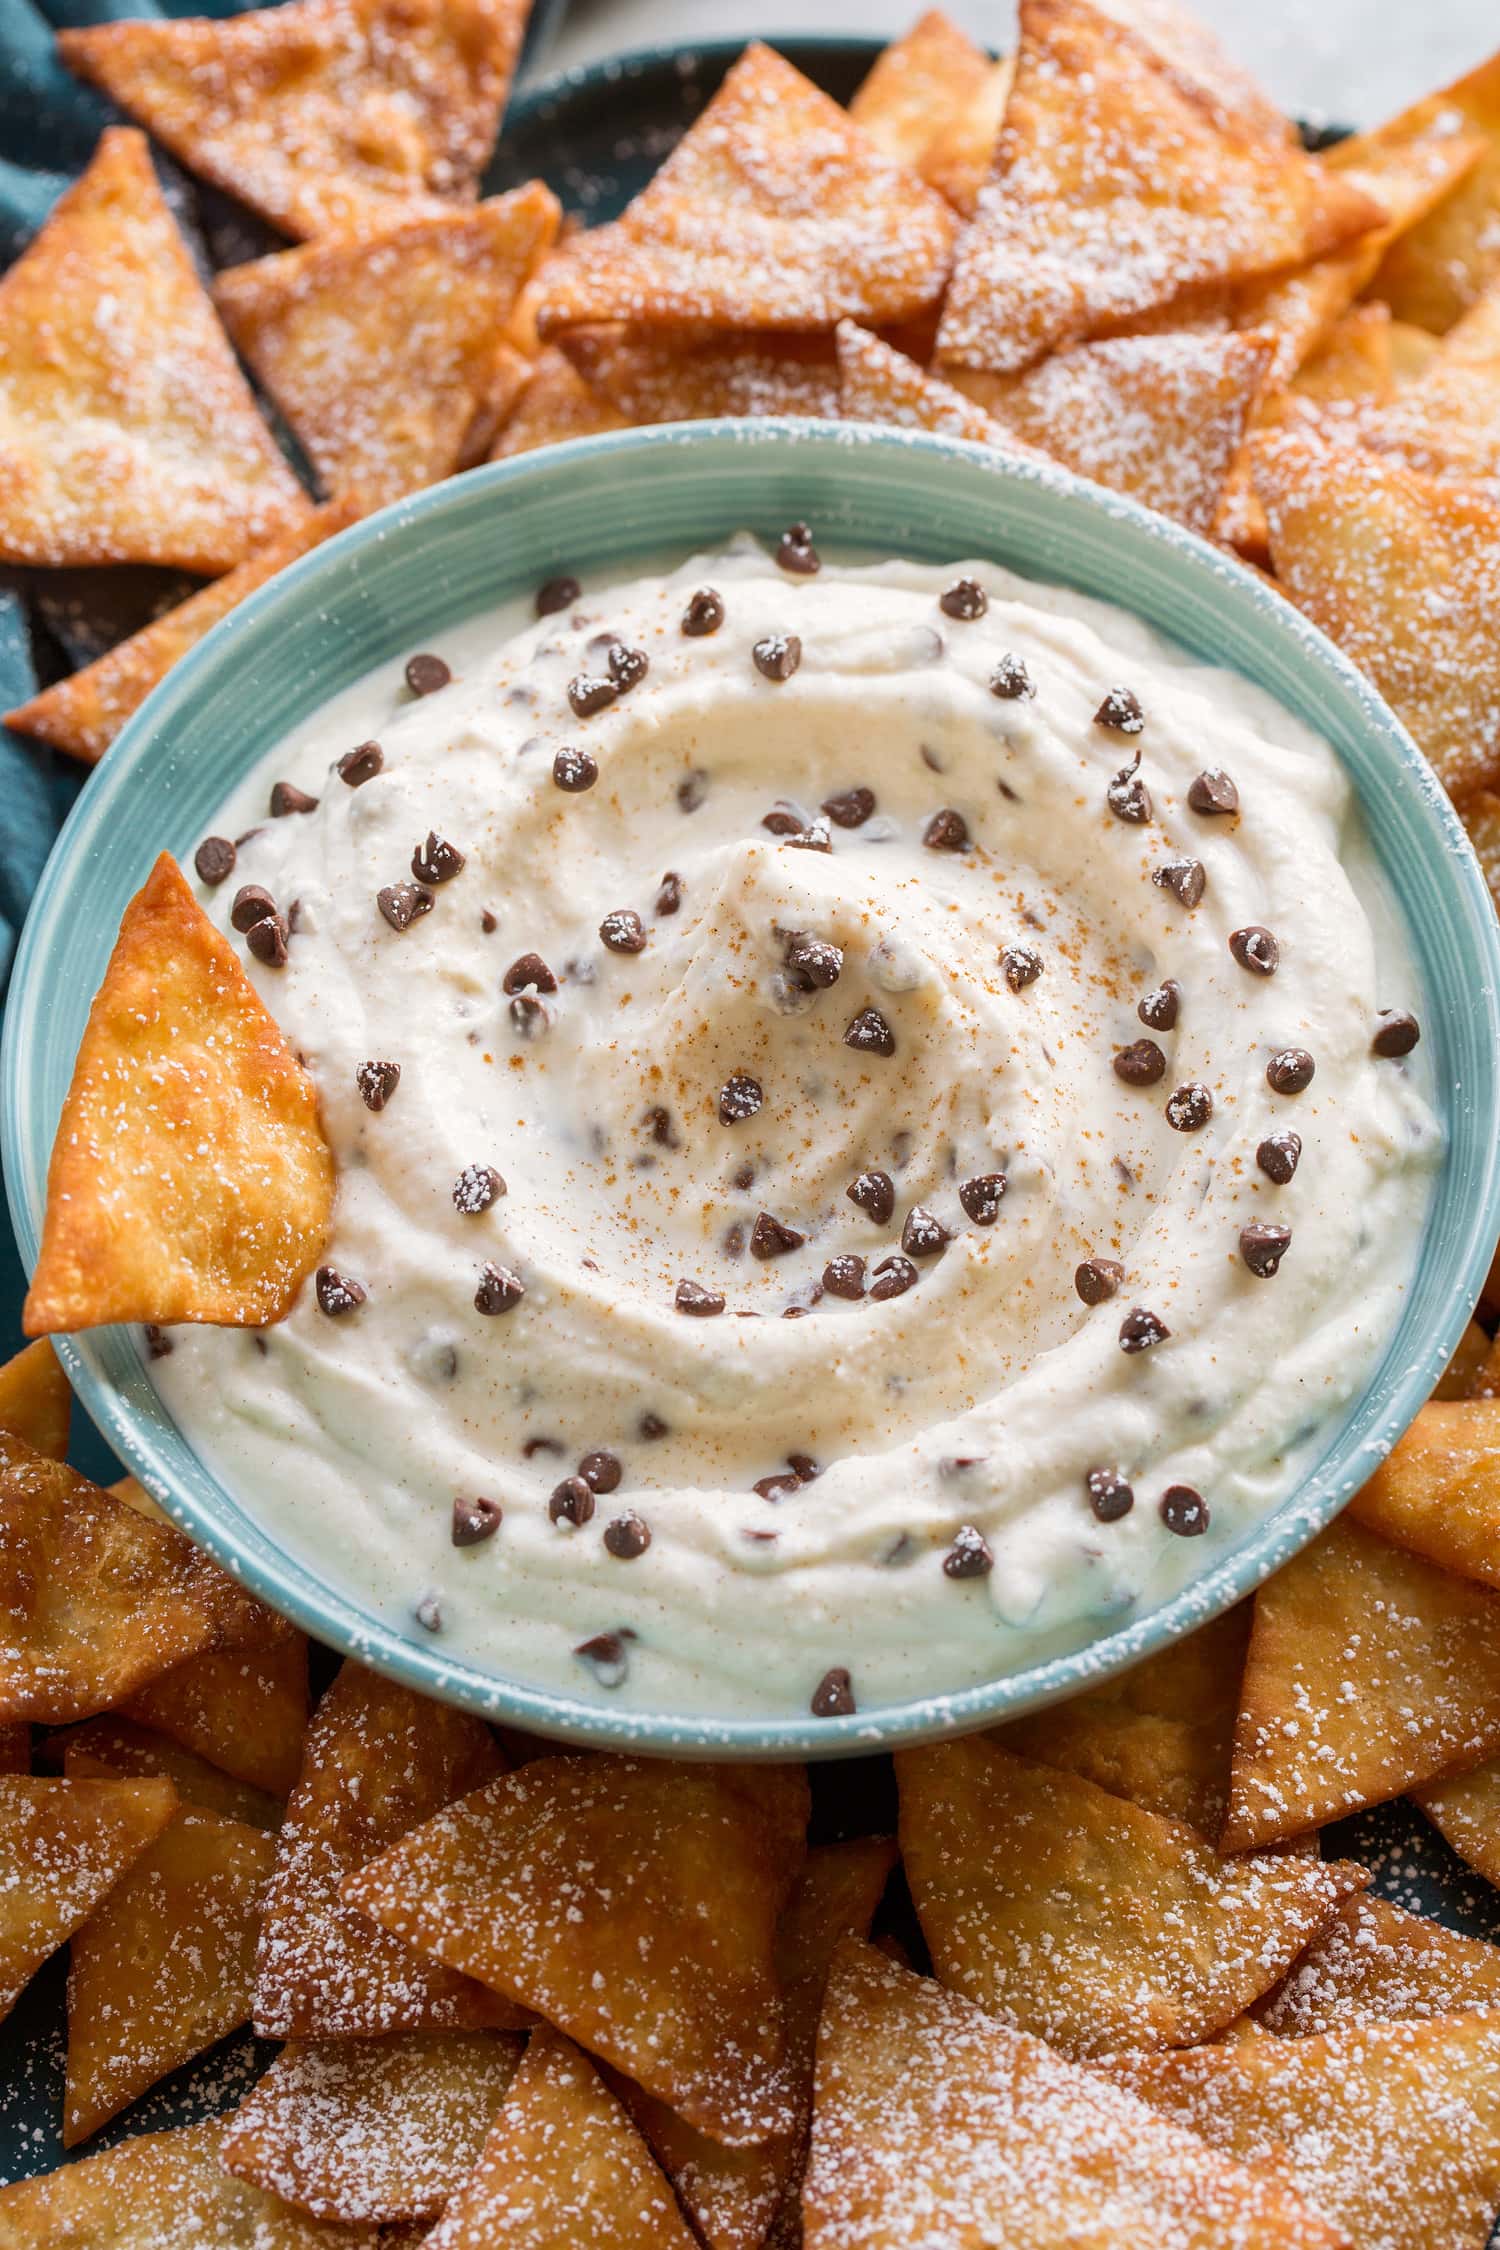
{"type": "Point", "coordinates": [878, 1124]}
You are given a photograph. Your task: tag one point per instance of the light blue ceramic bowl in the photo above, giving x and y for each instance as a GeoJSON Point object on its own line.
{"type": "Point", "coordinates": [601, 506]}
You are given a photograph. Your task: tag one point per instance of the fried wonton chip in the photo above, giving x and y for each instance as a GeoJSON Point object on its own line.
{"type": "Point", "coordinates": [180, 1056]}
{"type": "Point", "coordinates": [877, 384]}
{"type": "Point", "coordinates": [1438, 1491]}
{"type": "Point", "coordinates": [651, 377]}
{"type": "Point", "coordinates": [111, 1747]}
{"type": "Point", "coordinates": [378, 1760]}
{"type": "Point", "coordinates": [1467, 1374]}
{"type": "Point", "coordinates": [510, 372]}
{"type": "Point", "coordinates": [1412, 351]}
{"type": "Point", "coordinates": [127, 432]}
{"type": "Point", "coordinates": [1116, 189]}
{"type": "Point", "coordinates": [631, 1902]}
{"type": "Point", "coordinates": [1466, 1813]}
{"type": "Point", "coordinates": [82, 713]}
{"type": "Point", "coordinates": [556, 404]}
{"type": "Point", "coordinates": [15, 1748]}
{"type": "Point", "coordinates": [244, 1709]}
{"type": "Point", "coordinates": [1392, 2130]}
{"type": "Point", "coordinates": [962, 157]}
{"type": "Point", "coordinates": [164, 1965]}
{"type": "Point", "coordinates": [36, 1400]}
{"type": "Point", "coordinates": [1433, 273]}
{"type": "Point", "coordinates": [1375, 1963]}
{"type": "Point", "coordinates": [1446, 423]}
{"type": "Point", "coordinates": [919, 86]}
{"type": "Point", "coordinates": [378, 2129]}
{"type": "Point", "coordinates": [1096, 1924]}
{"type": "Point", "coordinates": [94, 1599]}
{"type": "Point", "coordinates": [63, 1845]}
{"type": "Point", "coordinates": [934, 2124]}
{"type": "Point", "coordinates": [773, 211]}
{"type": "Point", "coordinates": [323, 115]}
{"type": "Point", "coordinates": [1369, 1673]}
{"type": "Point", "coordinates": [380, 348]}
{"type": "Point", "coordinates": [1404, 573]}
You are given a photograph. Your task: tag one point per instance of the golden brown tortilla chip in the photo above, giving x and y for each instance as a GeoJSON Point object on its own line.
{"type": "Point", "coordinates": [556, 404]}
{"type": "Point", "coordinates": [1375, 1963]}
{"type": "Point", "coordinates": [36, 1400]}
{"type": "Point", "coordinates": [1466, 1813]}
{"type": "Point", "coordinates": [1435, 272]}
{"type": "Point", "coordinates": [653, 377]}
{"type": "Point", "coordinates": [918, 87]}
{"type": "Point", "coordinates": [1438, 1491]}
{"type": "Point", "coordinates": [63, 1846]}
{"type": "Point", "coordinates": [878, 384]}
{"type": "Point", "coordinates": [243, 1708]}
{"type": "Point", "coordinates": [111, 1748]}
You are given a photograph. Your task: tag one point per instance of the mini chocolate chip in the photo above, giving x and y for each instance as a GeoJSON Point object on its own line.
{"type": "Point", "coordinates": [778, 1487]}
{"type": "Point", "coordinates": [739, 1097]}
{"type": "Point", "coordinates": [1189, 1108]}
{"type": "Point", "coordinates": [436, 861]}
{"type": "Point", "coordinates": [489, 921]}
{"type": "Point", "coordinates": [669, 894]}
{"type": "Point", "coordinates": [1127, 796]}
{"type": "Point", "coordinates": [1010, 681]}
{"type": "Point", "coordinates": [1396, 1033]}
{"type": "Point", "coordinates": [377, 1081]}
{"type": "Point", "coordinates": [660, 1122]}
{"type": "Point", "coordinates": [286, 798]}
{"type": "Point", "coordinates": [529, 1016]}
{"type": "Point", "coordinates": [1183, 1510]}
{"type": "Point", "coordinates": [403, 903]}
{"type": "Point", "coordinates": [267, 941]}
{"type": "Point", "coordinates": [337, 1294]}
{"type": "Point", "coordinates": [1142, 1063]}
{"type": "Point", "coordinates": [600, 1471]}
{"type": "Point", "coordinates": [429, 1613]}
{"type": "Point", "coordinates": [476, 1188]}
{"type": "Point", "coordinates": [1263, 1246]}
{"type": "Point", "coordinates": [1160, 1006]}
{"type": "Point", "coordinates": [795, 552]}
{"type": "Point", "coordinates": [1121, 712]}
{"type": "Point", "coordinates": [849, 808]}
{"type": "Point", "coordinates": [623, 931]}
{"type": "Point", "coordinates": [626, 1537]}
{"type": "Point", "coordinates": [1255, 949]}
{"type": "Point", "coordinates": [1278, 1156]}
{"type": "Point", "coordinates": [845, 1277]}
{"type": "Point", "coordinates": [499, 1290]}
{"type": "Point", "coordinates": [627, 666]}
{"type": "Point", "coordinates": [702, 1303]}
{"type": "Point", "coordinates": [608, 1657]}
{"type": "Point", "coordinates": [1213, 793]}
{"type": "Point", "coordinates": [651, 1426]}
{"type": "Point", "coordinates": [783, 819]}
{"type": "Point", "coordinates": [1186, 879]}
{"type": "Point", "coordinates": [1141, 1331]}
{"type": "Point", "coordinates": [1097, 1279]}
{"type": "Point", "coordinates": [556, 594]}
{"type": "Point", "coordinates": [425, 674]}
{"type": "Point", "coordinates": [875, 1194]}
{"type": "Point", "coordinates": [970, 1555]}
{"type": "Point", "coordinates": [528, 969]}
{"type": "Point", "coordinates": [773, 1238]}
{"type": "Point", "coordinates": [691, 791]}
{"type": "Point", "coordinates": [833, 1697]}
{"type": "Point", "coordinates": [1110, 1495]}
{"type": "Point", "coordinates": [965, 599]}
{"type": "Point", "coordinates": [251, 905]}
{"type": "Point", "coordinates": [704, 613]}
{"type": "Point", "coordinates": [814, 962]}
{"type": "Point", "coordinates": [806, 1468]}
{"type": "Point", "coordinates": [158, 1343]}
{"type": "Point", "coordinates": [575, 770]}
{"type": "Point", "coordinates": [361, 764]}
{"type": "Point", "coordinates": [870, 1034]}
{"type": "Point", "coordinates": [1021, 965]}
{"type": "Point", "coordinates": [475, 1520]}
{"type": "Point", "coordinates": [589, 692]}
{"type": "Point", "coordinates": [980, 1197]}
{"type": "Point", "coordinates": [572, 1502]}
{"type": "Point", "coordinates": [893, 1277]}
{"type": "Point", "coordinates": [924, 1234]}
{"type": "Point", "coordinates": [1290, 1070]}
{"type": "Point", "coordinates": [777, 656]}
{"type": "Point", "coordinates": [214, 859]}
{"type": "Point", "coordinates": [813, 838]}
{"type": "Point", "coordinates": [947, 831]}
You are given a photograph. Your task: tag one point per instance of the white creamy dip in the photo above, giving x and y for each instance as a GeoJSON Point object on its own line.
{"type": "Point", "coordinates": [949, 1533]}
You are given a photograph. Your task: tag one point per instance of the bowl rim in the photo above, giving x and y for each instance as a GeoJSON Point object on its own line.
{"type": "Point", "coordinates": [317, 1605]}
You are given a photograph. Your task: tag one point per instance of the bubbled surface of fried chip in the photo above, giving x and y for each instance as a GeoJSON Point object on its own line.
{"type": "Point", "coordinates": [1466, 1813]}
{"type": "Point", "coordinates": [631, 1902]}
{"type": "Point", "coordinates": [82, 713]}
{"type": "Point", "coordinates": [1432, 274]}
{"type": "Point", "coordinates": [323, 115]}
{"type": "Point", "coordinates": [95, 1600]}
{"type": "Point", "coordinates": [375, 2129]}
{"type": "Point", "coordinates": [1116, 189]}
{"type": "Point", "coordinates": [1085, 1919]}
{"type": "Point", "coordinates": [1403, 571]}
{"type": "Point", "coordinates": [656, 377]}
{"type": "Point", "coordinates": [878, 384]}
{"type": "Point", "coordinates": [127, 432]}
{"type": "Point", "coordinates": [1438, 1491]}
{"type": "Point", "coordinates": [1375, 1963]}
{"type": "Point", "coordinates": [556, 404]}
{"type": "Point", "coordinates": [114, 1748]}
{"type": "Point", "coordinates": [380, 348]}
{"type": "Point", "coordinates": [773, 211]}
{"type": "Point", "coordinates": [1392, 2130]}
{"type": "Point", "coordinates": [190, 1180]}
{"type": "Point", "coordinates": [36, 1401]}
{"type": "Point", "coordinates": [918, 87]}
{"type": "Point", "coordinates": [1369, 1672]}
{"type": "Point", "coordinates": [63, 1845]}
{"type": "Point", "coordinates": [937, 2128]}
{"type": "Point", "coordinates": [242, 1708]}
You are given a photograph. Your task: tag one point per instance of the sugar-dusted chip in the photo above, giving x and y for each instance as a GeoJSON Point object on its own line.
{"type": "Point", "coordinates": [1433, 273]}
{"type": "Point", "coordinates": [1369, 1673]}
{"type": "Point", "coordinates": [324, 115]}
{"type": "Point", "coordinates": [653, 377]}
{"type": "Point", "coordinates": [934, 2124]}
{"type": "Point", "coordinates": [94, 1599]}
{"type": "Point", "coordinates": [377, 2129]}
{"type": "Point", "coordinates": [111, 1747]}
{"type": "Point", "coordinates": [1412, 351]}
{"type": "Point", "coordinates": [962, 157]}
{"type": "Point", "coordinates": [1467, 1372]}
{"type": "Point", "coordinates": [631, 1902]}
{"type": "Point", "coordinates": [1198, 60]}
{"type": "Point", "coordinates": [242, 1708]}
{"type": "Point", "coordinates": [163, 1967]}
{"type": "Point", "coordinates": [82, 713]}
{"type": "Point", "coordinates": [556, 404]}
{"type": "Point", "coordinates": [1391, 2130]}
{"type": "Point", "coordinates": [918, 88]}
{"type": "Point", "coordinates": [510, 372]}
{"type": "Point", "coordinates": [1404, 573]}
{"type": "Point", "coordinates": [563, 2169]}
{"type": "Point", "coordinates": [180, 1055]}
{"type": "Point", "coordinates": [1446, 422]}
{"type": "Point", "coordinates": [63, 1845]}
{"type": "Point", "coordinates": [127, 433]}
{"type": "Point", "coordinates": [773, 211]}
{"type": "Point", "coordinates": [1438, 1491]}
{"type": "Point", "coordinates": [1083, 1918]}
{"type": "Point", "coordinates": [1375, 1963]}
{"type": "Point", "coordinates": [1465, 1810]}
{"type": "Point", "coordinates": [878, 384]}
{"type": "Point", "coordinates": [36, 1401]}
{"type": "Point", "coordinates": [1118, 187]}
{"type": "Point", "coordinates": [380, 348]}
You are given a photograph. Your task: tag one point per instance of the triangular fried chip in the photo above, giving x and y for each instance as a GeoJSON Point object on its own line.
{"type": "Point", "coordinates": [111, 1747]}
{"type": "Point", "coordinates": [934, 2124]}
{"type": "Point", "coordinates": [555, 405]}
{"type": "Point", "coordinates": [1392, 2130]}
{"type": "Point", "coordinates": [36, 1401]}
{"type": "Point", "coordinates": [1438, 1491]}
{"type": "Point", "coordinates": [94, 1599]}
{"type": "Point", "coordinates": [63, 1844]}
{"type": "Point", "coordinates": [510, 372]}
{"type": "Point", "coordinates": [1197, 59]}
{"type": "Point", "coordinates": [773, 211]}
{"type": "Point", "coordinates": [380, 348]}
{"type": "Point", "coordinates": [1447, 422]}
{"type": "Point", "coordinates": [1466, 1813]}
{"type": "Point", "coordinates": [127, 433]}
{"type": "Point", "coordinates": [918, 88]}
{"type": "Point", "coordinates": [1433, 273]}
{"type": "Point", "coordinates": [1467, 1372]}
{"type": "Point", "coordinates": [1369, 1672]}
{"type": "Point", "coordinates": [164, 1965]}
{"type": "Point", "coordinates": [1412, 351]}
{"type": "Point", "coordinates": [244, 1709]}
{"type": "Point", "coordinates": [378, 2129]}
{"type": "Point", "coordinates": [324, 115]}
{"type": "Point", "coordinates": [82, 713]}
{"type": "Point", "coordinates": [378, 1760]}
{"type": "Point", "coordinates": [563, 2169]}
{"type": "Point", "coordinates": [180, 1056]}
{"type": "Point", "coordinates": [1097, 1925]}
{"type": "Point", "coordinates": [1117, 187]}
{"type": "Point", "coordinates": [962, 157]}
{"type": "Point", "coordinates": [15, 1749]}
{"type": "Point", "coordinates": [877, 384]}
{"type": "Point", "coordinates": [631, 1902]}
{"type": "Point", "coordinates": [1375, 1963]}
{"type": "Point", "coordinates": [654, 377]}
{"type": "Point", "coordinates": [1404, 573]}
